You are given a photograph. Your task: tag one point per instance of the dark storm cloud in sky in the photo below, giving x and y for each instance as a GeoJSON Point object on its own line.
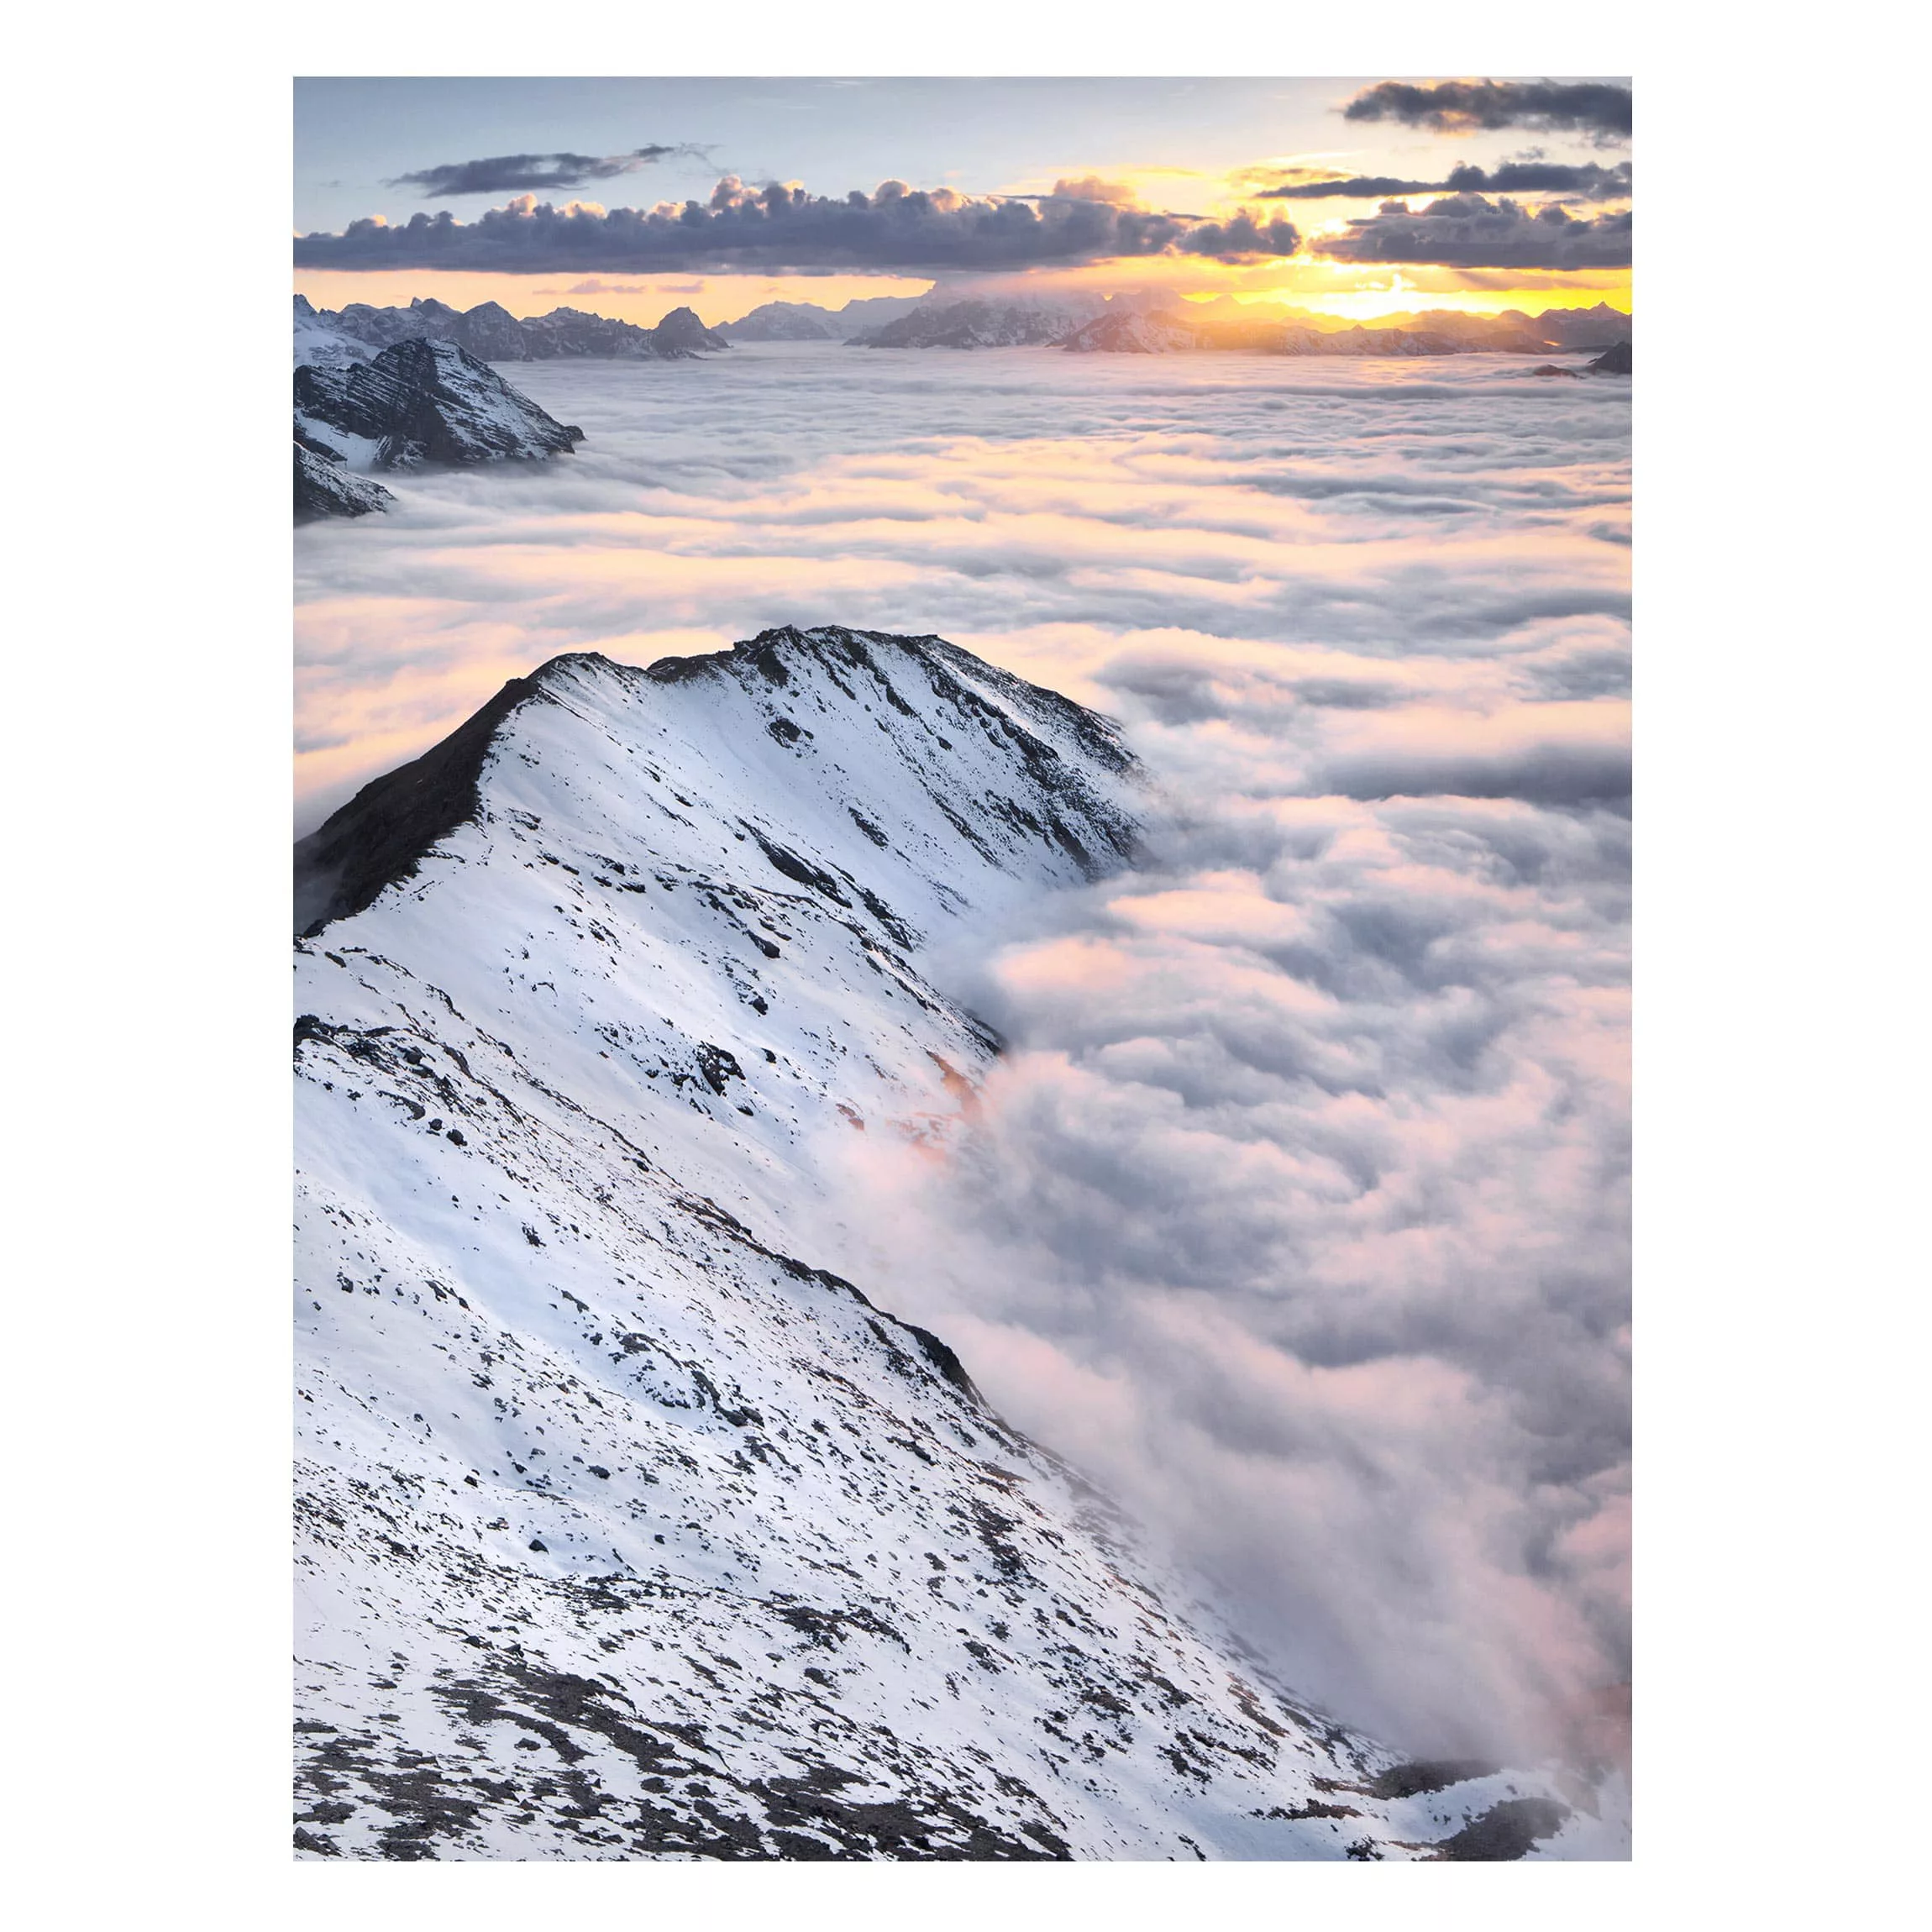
{"type": "Point", "coordinates": [1586, 181]}
{"type": "Point", "coordinates": [777, 227]}
{"type": "Point", "coordinates": [1600, 109]}
{"type": "Point", "coordinates": [514, 173]}
{"type": "Point", "coordinates": [1465, 231]}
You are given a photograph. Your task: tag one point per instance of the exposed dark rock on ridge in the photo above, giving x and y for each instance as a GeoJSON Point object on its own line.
{"type": "Point", "coordinates": [1615, 360]}
{"type": "Point", "coordinates": [379, 836]}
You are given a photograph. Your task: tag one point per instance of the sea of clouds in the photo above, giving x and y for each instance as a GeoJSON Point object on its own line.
{"type": "Point", "coordinates": [1297, 1214]}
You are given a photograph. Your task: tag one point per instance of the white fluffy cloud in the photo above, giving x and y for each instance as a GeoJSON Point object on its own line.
{"type": "Point", "coordinates": [1298, 1214]}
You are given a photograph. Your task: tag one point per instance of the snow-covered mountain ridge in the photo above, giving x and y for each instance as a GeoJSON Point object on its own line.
{"type": "Point", "coordinates": [325, 487]}
{"type": "Point", "coordinates": [628, 1531]}
{"type": "Point", "coordinates": [417, 403]}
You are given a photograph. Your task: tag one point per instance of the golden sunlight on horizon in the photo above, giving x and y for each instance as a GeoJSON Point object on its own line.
{"type": "Point", "coordinates": [1349, 293]}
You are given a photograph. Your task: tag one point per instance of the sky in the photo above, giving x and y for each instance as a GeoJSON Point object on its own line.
{"type": "Point", "coordinates": [1354, 197]}
{"type": "Point", "coordinates": [1297, 1214]}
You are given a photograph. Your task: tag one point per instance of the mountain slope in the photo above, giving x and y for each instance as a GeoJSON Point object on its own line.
{"type": "Point", "coordinates": [421, 402]}
{"type": "Point", "coordinates": [318, 341]}
{"type": "Point", "coordinates": [783, 321]}
{"type": "Point", "coordinates": [628, 1531]}
{"type": "Point", "coordinates": [323, 487]}
{"type": "Point", "coordinates": [1128, 332]}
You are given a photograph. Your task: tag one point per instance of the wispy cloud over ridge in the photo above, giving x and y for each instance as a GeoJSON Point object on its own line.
{"type": "Point", "coordinates": [782, 226]}
{"type": "Point", "coordinates": [1600, 109]}
{"type": "Point", "coordinates": [513, 174]}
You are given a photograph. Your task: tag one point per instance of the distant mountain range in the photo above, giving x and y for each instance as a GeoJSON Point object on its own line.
{"type": "Point", "coordinates": [1135, 323]}
{"type": "Point", "coordinates": [1267, 330]}
{"type": "Point", "coordinates": [1160, 325]}
{"type": "Point", "coordinates": [977, 324]}
{"type": "Point", "coordinates": [491, 333]}
{"type": "Point", "coordinates": [1164, 331]}
{"type": "Point", "coordinates": [394, 388]}
{"type": "Point", "coordinates": [807, 322]}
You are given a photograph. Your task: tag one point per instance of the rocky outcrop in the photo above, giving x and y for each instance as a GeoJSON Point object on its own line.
{"type": "Point", "coordinates": [1615, 360]}
{"type": "Point", "coordinates": [419, 403]}
{"type": "Point", "coordinates": [324, 488]}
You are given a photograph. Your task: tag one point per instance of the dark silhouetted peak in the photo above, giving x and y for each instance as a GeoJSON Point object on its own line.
{"type": "Point", "coordinates": [682, 333]}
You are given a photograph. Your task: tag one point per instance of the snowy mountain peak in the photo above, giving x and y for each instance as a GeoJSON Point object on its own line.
{"type": "Point", "coordinates": [628, 1528]}
{"type": "Point", "coordinates": [420, 401]}
{"type": "Point", "coordinates": [820, 738]}
{"type": "Point", "coordinates": [324, 487]}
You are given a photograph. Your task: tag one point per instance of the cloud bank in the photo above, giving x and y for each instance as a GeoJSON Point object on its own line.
{"type": "Point", "coordinates": [781, 227]}
{"type": "Point", "coordinates": [512, 174]}
{"type": "Point", "coordinates": [1296, 1213]}
{"type": "Point", "coordinates": [1600, 109]}
{"type": "Point", "coordinates": [1585, 181]}
{"type": "Point", "coordinates": [1465, 231]}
